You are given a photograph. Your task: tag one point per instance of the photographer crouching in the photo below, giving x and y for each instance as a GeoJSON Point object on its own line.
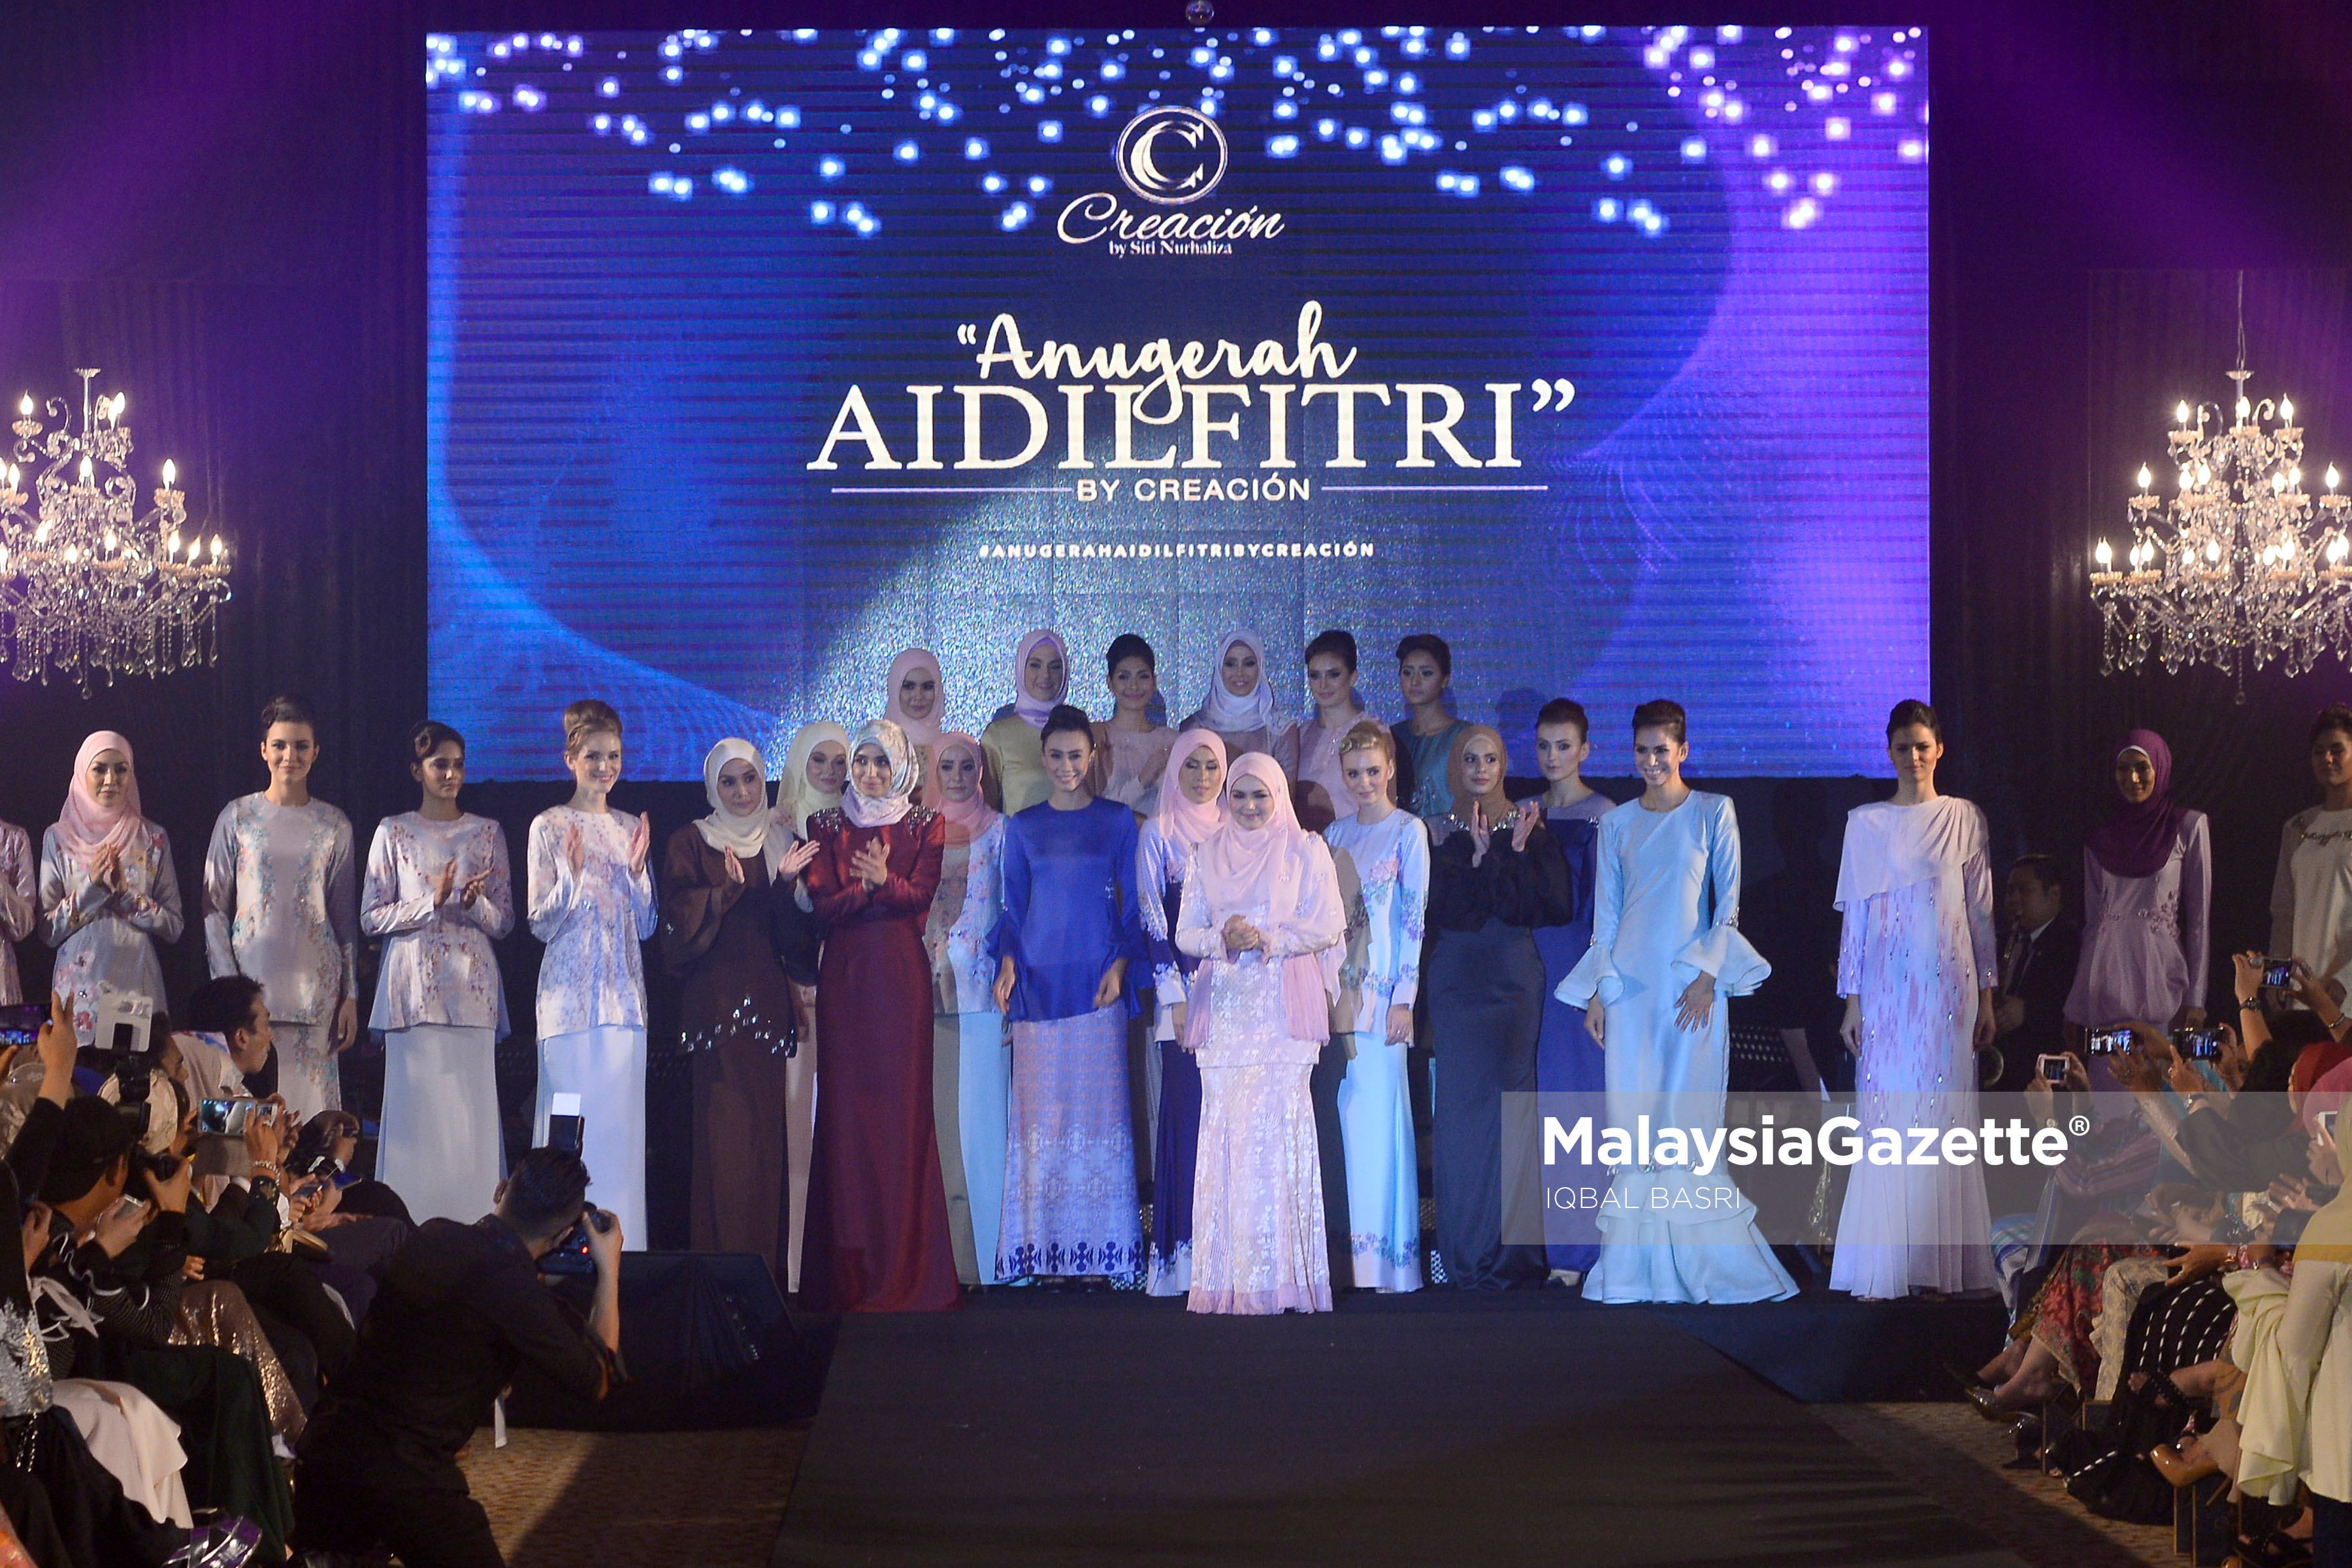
{"type": "Point", "coordinates": [460, 1309]}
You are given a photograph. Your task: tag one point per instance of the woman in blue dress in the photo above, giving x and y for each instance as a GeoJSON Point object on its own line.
{"type": "Point", "coordinates": [1192, 798]}
{"type": "Point", "coordinates": [1068, 934]}
{"type": "Point", "coordinates": [1567, 1059]}
{"type": "Point", "coordinates": [1666, 955]}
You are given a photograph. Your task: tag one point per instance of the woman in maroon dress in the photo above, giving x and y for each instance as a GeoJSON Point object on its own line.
{"type": "Point", "coordinates": [878, 1217]}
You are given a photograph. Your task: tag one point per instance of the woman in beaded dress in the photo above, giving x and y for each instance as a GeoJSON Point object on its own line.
{"type": "Point", "coordinates": [438, 892]}
{"type": "Point", "coordinates": [108, 891]}
{"type": "Point", "coordinates": [737, 938]}
{"type": "Point", "coordinates": [877, 1219]}
{"type": "Point", "coordinates": [1917, 964]}
{"type": "Point", "coordinates": [1262, 913]}
{"type": "Point", "coordinates": [1192, 800]}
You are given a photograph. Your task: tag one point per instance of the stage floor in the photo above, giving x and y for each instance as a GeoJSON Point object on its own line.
{"type": "Point", "coordinates": [1049, 1430]}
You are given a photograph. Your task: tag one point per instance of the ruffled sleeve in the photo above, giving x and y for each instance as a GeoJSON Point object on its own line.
{"type": "Point", "coordinates": [1595, 974]}
{"type": "Point", "coordinates": [1718, 949]}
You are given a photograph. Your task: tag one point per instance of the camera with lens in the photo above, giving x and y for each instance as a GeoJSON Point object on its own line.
{"type": "Point", "coordinates": [122, 1027]}
{"type": "Point", "coordinates": [570, 1256]}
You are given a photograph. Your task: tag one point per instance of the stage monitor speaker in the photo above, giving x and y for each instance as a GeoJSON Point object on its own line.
{"type": "Point", "coordinates": [707, 1343]}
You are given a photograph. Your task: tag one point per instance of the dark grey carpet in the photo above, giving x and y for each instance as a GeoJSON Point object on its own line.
{"type": "Point", "coordinates": [1445, 1428]}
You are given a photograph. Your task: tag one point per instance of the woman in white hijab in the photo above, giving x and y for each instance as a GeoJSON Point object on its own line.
{"type": "Point", "coordinates": [1262, 911]}
{"type": "Point", "coordinates": [877, 1216]}
{"type": "Point", "coordinates": [1242, 709]}
{"type": "Point", "coordinates": [816, 770]}
{"type": "Point", "coordinates": [732, 932]}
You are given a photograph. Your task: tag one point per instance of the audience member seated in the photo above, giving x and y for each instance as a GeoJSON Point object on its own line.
{"type": "Point", "coordinates": [2037, 970]}
{"type": "Point", "coordinates": [461, 1307]}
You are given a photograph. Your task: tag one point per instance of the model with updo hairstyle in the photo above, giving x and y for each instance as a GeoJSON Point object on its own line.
{"type": "Point", "coordinates": [1568, 1060]}
{"type": "Point", "coordinates": [591, 902]}
{"type": "Point", "coordinates": [438, 892]}
{"type": "Point", "coordinates": [1663, 713]}
{"type": "Point", "coordinates": [1320, 785]}
{"type": "Point", "coordinates": [1917, 965]}
{"type": "Point", "coordinates": [2311, 895]}
{"type": "Point", "coordinates": [1424, 741]}
{"type": "Point", "coordinates": [1131, 745]}
{"type": "Point", "coordinates": [282, 883]}
{"type": "Point", "coordinates": [1063, 947]}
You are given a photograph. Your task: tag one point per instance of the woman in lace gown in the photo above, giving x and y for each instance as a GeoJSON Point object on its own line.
{"type": "Point", "coordinates": [2148, 883]}
{"type": "Point", "coordinates": [1917, 966]}
{"type": "Point", "coordinates": [1261, 910]}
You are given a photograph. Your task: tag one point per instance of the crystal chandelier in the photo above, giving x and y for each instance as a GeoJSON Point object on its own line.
{"type": "Point", "coordinates": [88, 587]}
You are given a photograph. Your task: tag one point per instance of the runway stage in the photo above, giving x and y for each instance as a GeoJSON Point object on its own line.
{"type": "Point", "coordinates": [1439, 1429]}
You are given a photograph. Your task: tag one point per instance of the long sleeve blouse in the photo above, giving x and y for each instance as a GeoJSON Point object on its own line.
{"type": "Point", "coordinates": [734, 945]}
{"type": "Point", "coordinates": [2146, 949]}
{"type": "Point", "coordinates": [20, 880]}
{"type": "Point", "coordinates": [282, 904]}
{"type": "Point", "coordinates": [105, 937]}
{"type": "Point", "coordinates": [591, 919]}
{"type": "Point", "coordinates": [1159, 873]}
{"type": "Point", "coordinates": [1384, 881]}
{"type": "Point", "coordinates": [915, 844]}
{"type": "Point", "coordinates": [1527, 887]}
{"type": "Point", "coordinates": [964, 913]}
{"type": "Point", "coordinates": [439, 966]}
{"type": "Point", "coordinates": [1071, 908]}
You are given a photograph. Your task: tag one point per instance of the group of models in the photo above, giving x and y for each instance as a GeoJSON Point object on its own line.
{"type": "Point", "coordinates": [970, 926]}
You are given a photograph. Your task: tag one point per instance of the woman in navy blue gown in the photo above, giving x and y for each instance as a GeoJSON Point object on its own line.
{"type": "Point", "coordinates": [1567, 1059]}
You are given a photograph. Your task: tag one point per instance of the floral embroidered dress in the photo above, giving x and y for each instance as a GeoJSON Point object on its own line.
{"type": "Point", "coordinates": [1383, 871]}
{"type": "Point", "coordinates": [281, 906]}
{"type": "Point", "coordinates": [103, 937]}
{"type": "Point", "coordinates": [437, 966]}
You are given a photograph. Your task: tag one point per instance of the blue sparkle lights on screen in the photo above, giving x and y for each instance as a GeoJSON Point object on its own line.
{"type": "Point", "coordinates": [755, 357]}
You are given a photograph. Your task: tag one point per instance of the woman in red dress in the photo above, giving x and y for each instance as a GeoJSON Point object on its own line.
{"type": "Point", "coordinates": [878, 1217]}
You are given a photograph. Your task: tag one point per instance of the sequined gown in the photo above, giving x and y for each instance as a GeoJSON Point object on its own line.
{"type": "Point", "coordinates": [1917, 956]}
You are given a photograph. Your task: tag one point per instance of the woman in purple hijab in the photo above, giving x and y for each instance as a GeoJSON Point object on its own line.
{"type": "Point", "coordinates": [2147, 890]}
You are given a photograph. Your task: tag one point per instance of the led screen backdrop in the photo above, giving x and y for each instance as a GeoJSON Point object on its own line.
{"type": "Point", "coordinates": [756, 357]}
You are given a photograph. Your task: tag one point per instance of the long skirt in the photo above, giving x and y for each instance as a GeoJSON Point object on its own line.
{"type": "Point", "coordinates": [1382, 1171]}
{"type": "Point", "coordinates": [308, 1074]}
{"type": "Point", "coordinates": [877, 1211]}
{"type": "Point", "coordinates": [1257, 1197]}
{"type": "Point", "coordinates": [971, 1074]}
{"type": "Point", "coordinates": [605, 1066]}
{"type": "Point", "coordinates": [737, 1203]}
{"type": "Point", "coordinates": [440, 1147]}
{"type": "Point", "coordinates": [129, 1434]}
{"type": "Point", "coordinates": [1069, 1168]}
{"type": "Point", "coordinates": [800, 1128]}
{"type": "Point", "coordinates": [1486, 994]}
{"type": "Point", "coordinates": [1172, 1162]}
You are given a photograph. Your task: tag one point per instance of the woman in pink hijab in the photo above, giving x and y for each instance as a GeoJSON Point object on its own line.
{"type": "Point", "coordinates": [916, 700]}
{"type": "Point", "coordinates": [107, 890]}
{"type": "Point", "coordinates": [1262, 913]}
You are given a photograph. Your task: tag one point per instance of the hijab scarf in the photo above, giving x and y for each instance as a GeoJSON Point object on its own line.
{"type": "Point", "coordinates": [806, 799]}
{"type": "Point", "coordinates": [906, 772]}
{"type": "Point", "coordinates": [1034, 710]}
{"type": "Point", "coordinates": [969, 817]}
{"type": "Point", "coordinates": [1265, 876]}
{"type": "Point", "coordinates": [2137, 839]}
{"type": "Point", "coordinates": [1231, 715]}
{"type": "Point", "coordinates": [1184, 824]}
{"type": "Point", "coordinates": [1497, 805]}
{"type": "Point", "coordinates": [85, 826]}
{"type": "Point", "coordinates": [754, 834]}
{"type": "Point", "coordinates": [923, 732]}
